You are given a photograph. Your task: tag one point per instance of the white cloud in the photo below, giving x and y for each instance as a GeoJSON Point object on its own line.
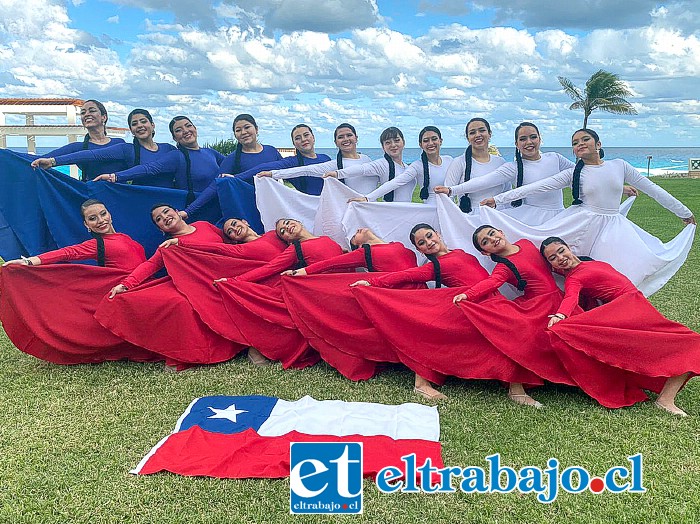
{"type": "Point", "coordinates": [372, 76]}
{"type": "Point", "coordinates": [113, 19]}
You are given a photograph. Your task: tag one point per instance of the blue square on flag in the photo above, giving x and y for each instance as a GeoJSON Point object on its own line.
{"type": "Point", "coordinates": [224, 414]}
{"type": "Point", "coordinates": [325, 477]}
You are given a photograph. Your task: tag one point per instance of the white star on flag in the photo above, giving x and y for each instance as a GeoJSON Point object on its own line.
{"type": "Point", "coordinates": [229, 413]}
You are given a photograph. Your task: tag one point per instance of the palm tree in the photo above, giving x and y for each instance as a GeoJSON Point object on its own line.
{"type": "Point", "coordinates": [604, 90]}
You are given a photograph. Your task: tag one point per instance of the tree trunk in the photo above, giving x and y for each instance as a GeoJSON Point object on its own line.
{"type": "Point", "coordinates": [586, 114]}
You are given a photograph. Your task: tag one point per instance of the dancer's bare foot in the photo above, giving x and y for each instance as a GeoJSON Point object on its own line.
{"type": "Point", "coordinates": [525, 400]}
{"type": "Point", "coordinates": [516, 392]}
{"type": "Point", "coordinates": [426, 390]}
{"type": "Point", "coordinates": [429, 393]}
{"type": "Point", "coordinates": [671, 408]}
{"type": "Point", "coordinates": [257, 358]}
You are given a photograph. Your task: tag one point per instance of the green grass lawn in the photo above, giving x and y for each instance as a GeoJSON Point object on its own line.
{"type": "Point", "coordinates": [70, 434]}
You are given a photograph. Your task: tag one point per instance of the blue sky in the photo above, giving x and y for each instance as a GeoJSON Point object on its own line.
{"type": "Point", "coordinates": [372, 63]}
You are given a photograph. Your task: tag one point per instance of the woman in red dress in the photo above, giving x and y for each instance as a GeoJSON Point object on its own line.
{"type": "Point", "coordinates": [47, 311]}
{"type": "Point", "coordinates": [520, 265]}
{"type": "Point", "coordinates": [255, 304]}
{"type": "Point", "coordinates": [328, 316]}
{"type": "Point", "coordinates": [135, 305]}
{"type": "Point", "coordinates": [449, 344]}
{"type": "Point", "coordinates": [617, 350]}
{"type": "Point", "coordinates": [194, 266]}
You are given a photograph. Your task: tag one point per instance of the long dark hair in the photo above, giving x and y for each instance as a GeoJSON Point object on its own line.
{"type": "Point", "coordinates": [424, 158]}
{"type": "Point", "coordinates": [135, 141]}
{"type": "Point", "coordinates": [186, 154]}
{"type": "Point", "coordinates": [576, 182]}
{"type": "Point", "coordinates": [98, 237]}
{"type": "Point", "coordinates": [519, 160]}
{"type": "Point", "coordinates": [465, 203]}
{"type": "Point", "coordinates": [368, 257]}
{"type": "Point", "coordinates": [497, 258]}
{"type": "Point", "coordinates": [86, 138]}
{"type": "Point", "coordinates": [432, 258]}
{"type": "Point", "coordinates": [339, 156]}
{"type": "Point", "coordinates": [389, 134]}
{"type": "Point", "coordinates": [239, 147]}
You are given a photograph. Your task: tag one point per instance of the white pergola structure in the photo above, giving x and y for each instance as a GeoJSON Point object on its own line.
{"type": "Point", "coordinates": [32, 107]}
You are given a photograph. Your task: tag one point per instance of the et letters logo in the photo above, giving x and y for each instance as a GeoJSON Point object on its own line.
{"type": "Point", "coordinates": [325, 477]}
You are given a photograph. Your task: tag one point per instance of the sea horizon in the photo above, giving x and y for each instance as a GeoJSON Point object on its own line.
{"type": "Point", "coordinates": [663, 159]}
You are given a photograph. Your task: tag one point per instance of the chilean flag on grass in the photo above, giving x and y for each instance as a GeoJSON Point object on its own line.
{"type": "Point", "coordinates": [243, 437]}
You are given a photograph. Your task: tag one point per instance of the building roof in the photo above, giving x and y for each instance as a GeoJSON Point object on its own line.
{"type": "Point", "coordinates": [42, 101]}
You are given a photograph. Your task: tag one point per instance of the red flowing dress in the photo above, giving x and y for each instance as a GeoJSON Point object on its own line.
{"type": "Point", "coordinates": [193, 269]}
{"type": "Point", "coordinates": [619, 349]}
{"type": "Point", "coordinates": [254, 303]}
{"type": "Point", "coordinates": [431, 335]}
{"type": "Point", "coordinates": [327, 314]}
{"type": "Point", "coordinates": [519, 327]}
{"type": "Point", "coordinates": [155, 315]}
{"type": "Point", "coordinates": [47, 310]}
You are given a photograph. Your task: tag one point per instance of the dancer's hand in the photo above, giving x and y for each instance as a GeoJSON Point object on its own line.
{"type": "Point", "coordinates": [689, 220]}
{"type": "Point", "coordinates": [553, 319]}
{"type": "Point", "coordinates": [169, 242]}
{"type": "Point", "coordinates": [442, 189]}
{"type": "Point", "coordinates": [107, 177]}
{"type": "Point", "coordinates": [360, 283]}
{"type": "Point", "coordinates": [264, 173]}
{"type": "Point", "coordinates": [358, 199]}
{"type": "Point", "coordinates": [43, 163]}
{"type": "Point", "coordinates": [629, 191]}
{"type": "Point", "coordinates": [490, 202]}
{"type": "Point", "coordinates": [116, 290]}
{"type": "Point", "coordinates": [331, 174]}
{"type": "Point", "coordinates": [459, 298]}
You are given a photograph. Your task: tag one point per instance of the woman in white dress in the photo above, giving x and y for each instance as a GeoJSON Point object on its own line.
{"type": "Point", "coordinates": [384, 169]}
{"type": "Point", "coordinates": [593, 225]}
{"type": "Point", "coordinates": [345, 138]}
{"type": "Point", "coordinates": [475, 163]}
{"type": "Point", "coordinates": [429, 170]}
{"type": "Point", "coordinates": [530, 165]}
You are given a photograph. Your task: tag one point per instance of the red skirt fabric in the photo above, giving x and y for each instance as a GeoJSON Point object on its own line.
{"type": "Point", "coordinates": [193, 272]}
{"type": "Point", "coordinates": [260, 314]}
{"type": "Point", "coordinates": [432, 335]}
{"type": "Point", "coordinates": [518, 328]}
{"type": "Point", "coordinates": [326, 313]}
{"type": "Point", "coordinates": [156, 316]}
{"type": "Point", "coordinates": [616, 351]}
{"type": "Point", "coordinates": [47, 312]}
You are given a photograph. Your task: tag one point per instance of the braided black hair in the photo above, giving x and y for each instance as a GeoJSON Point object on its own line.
{"type": "Point", "coordinates": [100, 248]}
{"type": "Point", "coordinates": [239, 147]}
{"type": "Point", "coordinates": [519, 180]}
{"type": "Point", "coordinates": [426, 176]}
{"type": "Point", "coordinates": [503, 260]}
{"type": "Point", "coordinates": [389, 197]}
{"type": "Point", "coordinates": [576, 182]}
{"type": "Point", "coordinates": [301, 261]}
{"type": "Point", "coordinates": [188, 173]}
{"type": "Point", "coordinates": [437, 270]}
{"type": "Point", "coordinates": [465, 203]}
{"type": "Point", "coordinates": [339, 156]}
{"type": "Point", "coordinates": [519, 159]}
{"type": "Point", "coordinates": [424, 193]}
{"type": "Point", "coordinates": [388, 134]}
{"type": "Point", "coordinates": [368, 257]}
{"type": "Point", "coordinates": [137, 144]}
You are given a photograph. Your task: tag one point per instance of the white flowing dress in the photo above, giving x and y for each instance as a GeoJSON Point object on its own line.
{"type": "Point", "coordinates": [597, 229]}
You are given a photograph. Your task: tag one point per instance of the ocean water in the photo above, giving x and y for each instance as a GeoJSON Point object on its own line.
{"type": "Point", "coordinates": [662, 158]}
